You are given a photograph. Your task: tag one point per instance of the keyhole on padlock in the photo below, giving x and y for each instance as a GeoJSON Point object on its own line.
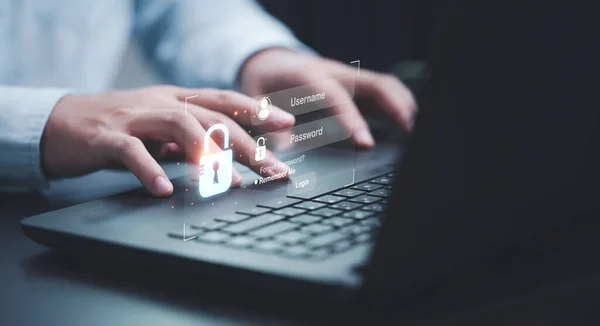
{"type": "Point", "coordinates": [215, 168]}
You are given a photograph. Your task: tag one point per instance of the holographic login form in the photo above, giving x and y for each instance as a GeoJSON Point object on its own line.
{"type": "Point", "coordinates": [324, 120]}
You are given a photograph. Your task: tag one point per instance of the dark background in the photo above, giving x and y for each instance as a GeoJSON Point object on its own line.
{"type": "Point", "coordinates": [380, 33]}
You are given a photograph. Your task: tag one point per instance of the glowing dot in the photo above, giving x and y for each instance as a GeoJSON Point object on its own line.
{"type": "Point", "coordinates": [245, 111]}
{"type": "Point", "coordinates": [255, 182]}
{"type": "Point", "coordinates": [186, 189]}
{"type": "Point", "coordinates": [212, 203]}
{"type": "Point", "coordinates": [177, 163]}
{"type": "Point", "coordinates": [235, 113]}
{"type": "Point", "coordinates": [172, 206]}
{"type": "Point", "coordinates": [192, 204]}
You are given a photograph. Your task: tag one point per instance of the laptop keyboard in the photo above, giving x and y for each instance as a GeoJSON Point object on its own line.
{"type": "Point", "coordinates": [314, 228]}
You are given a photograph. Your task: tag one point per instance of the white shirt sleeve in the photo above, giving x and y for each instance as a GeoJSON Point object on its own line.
{"type": "Point", "coordinates": [204, 43]}
{"type": "Point", "coordinates": [23, 116]}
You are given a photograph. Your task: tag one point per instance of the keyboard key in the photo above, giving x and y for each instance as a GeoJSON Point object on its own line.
{"type": "Point", "coordinates": [291, 237]}
{"type": "Point", "coordinates": [273, 229]}
{"type": "Point", "coordinates": [354, 229]}
{"type": "Point", "coordinates": [329, 199]}
{"type": "Point", "coordinates": [365, 237]}
{"type": "Point", "coordinates": [253, 210]}
{"type": "Point", "coordinates": [305, 219]}
{"type": "Point", "coordinates": [289, 211]}
{"type": "Point", "coordinates": [365, 199]}
{"type": "Point", "coordinates": [346, 205]}
{"type": "Point", "coordinates": [371, 222]}
{"type": "Point", "coordinates": [341, 245]}
{"type": "Point", "coordinates": [365, 186]}
{"type": "Point", "coordinates": [318, 254]}
{"type": "Point", "coordinates": [253, 223]}
{"type": "Point", "coordinates": [232, 218]}
{"type": "Point", "coordinates": [326, 212]}
{"type": "Point", "coordinates": [208, 225]}
{"type": "Point", "coordinates": [384, 193]}
{"type": "Point", "coordinates": [338, 221]}
{"type": "Point", "coordinates": [280, 202]}
{"type": "Point", "coordinates": [268, 246]}
{"type": "Point", "coordinates": [241, 241]}
{"type": "Point", "coordinates": [392, 175]}
{"type": "Point", "coordinates": [213, 237]}
{"type": "Point", "coordinates": [383, 181]}
{"type": "Point", "coordinates": [309, 205]}
{"type": "Point", "coordinates": [348, 193]}
{"type": "Point", "coordinates": [296, 251]}
{"type": "Point", "coordinates": [359, 215]}
{"type": "Point", "coordinates": [325, 239]}
{"type": "Point", "coordinates": [178, 233]}
{"type": "Point", "coordinates": [379, 208]}
{"type": "Point", "coordinates": [316, 228]}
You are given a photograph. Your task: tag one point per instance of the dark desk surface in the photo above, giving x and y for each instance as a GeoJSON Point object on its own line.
{"type": "Point", "coordinates": [40, 287]}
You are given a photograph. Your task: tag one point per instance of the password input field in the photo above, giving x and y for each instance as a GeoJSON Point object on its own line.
{"type": "Point", "coordinates": [306, 136]}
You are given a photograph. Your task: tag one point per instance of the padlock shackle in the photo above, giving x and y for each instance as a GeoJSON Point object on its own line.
{"type": "Point", "coordinates": [264, 141]}
{"type": "Point", "coordinates": [207, 136]}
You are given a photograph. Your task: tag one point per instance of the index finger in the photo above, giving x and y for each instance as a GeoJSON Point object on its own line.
{"type": "Point", "coordinates": [237, 106]}
{"type": "Point", "coordinates": [391, 96]}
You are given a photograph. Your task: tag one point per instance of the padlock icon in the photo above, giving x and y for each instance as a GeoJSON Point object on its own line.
{"type": "Point", "coordinates": [217, 167]}
{"type": "Point", "coordinates": [261, 150]}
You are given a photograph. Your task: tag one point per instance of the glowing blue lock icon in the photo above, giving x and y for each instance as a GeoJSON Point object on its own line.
{"type": "Point", "coordinates": [216, 168]}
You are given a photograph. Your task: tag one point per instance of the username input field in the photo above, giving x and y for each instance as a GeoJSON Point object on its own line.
{"type": "Point", "coordinates": [306, 98]}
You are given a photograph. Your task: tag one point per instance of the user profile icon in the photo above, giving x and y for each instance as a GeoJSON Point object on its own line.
{"type": "Point", "coordinates": [263, 109]}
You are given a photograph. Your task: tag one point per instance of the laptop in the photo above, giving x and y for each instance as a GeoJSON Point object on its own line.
{"type": "Point", "coordinates": [489, 167]}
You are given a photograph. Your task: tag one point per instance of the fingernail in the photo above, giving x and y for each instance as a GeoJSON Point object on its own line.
{"type": "Point", "coordinates": [162, 185]}
{"type": "Point", "coordinates": [277, 167]}
{"type": "Point", "coordinates": [364, 138]}
{"type": "Point", "coordinates": [286, 118]}
{"type": "Point", "coordinates": [283, 168]}
{"type": "Point", "coordinates": [236, 179]}
{"type": "Point", "coordinates": [410, 124]}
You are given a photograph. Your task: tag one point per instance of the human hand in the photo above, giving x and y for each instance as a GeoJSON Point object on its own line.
{"type": "Point", "coordinates": [274, 69]}
{"type": "Point", "coordinates": [85, 133]}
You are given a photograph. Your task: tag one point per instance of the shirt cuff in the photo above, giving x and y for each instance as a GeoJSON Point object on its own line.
{"type": "Point", "coordinates": [25, 112]}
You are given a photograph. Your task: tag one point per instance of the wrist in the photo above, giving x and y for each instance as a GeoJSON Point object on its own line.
{"type": "Point", "coordinates": [49, 138]}
{"type": "Point", "coordinates": [250, 70]}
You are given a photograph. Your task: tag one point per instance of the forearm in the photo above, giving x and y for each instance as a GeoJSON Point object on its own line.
{"type": "Point", "coordinates": [23, 115]}
{"type": "Point", "coordinates": [205, 43]}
